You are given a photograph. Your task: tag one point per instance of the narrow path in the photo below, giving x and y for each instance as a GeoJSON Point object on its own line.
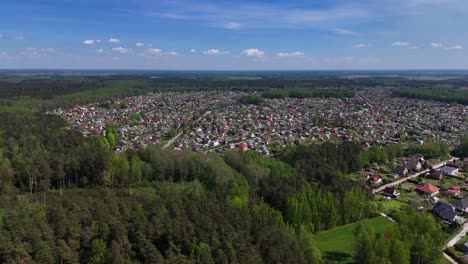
{"type": "Point", "coordinates": [459, 236]}
{"type": "Point", "coordinates": [171, 141]}
{"type": "Point", "coordinates": [389, 218]}
{"type": "Point", "coordinates": [449, 258]}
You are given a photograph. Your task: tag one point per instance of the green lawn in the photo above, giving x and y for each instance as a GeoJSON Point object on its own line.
{"type": "Point", "coordinates": [338, 244]}
{"type": "Point", "coordinates": [392, 205]}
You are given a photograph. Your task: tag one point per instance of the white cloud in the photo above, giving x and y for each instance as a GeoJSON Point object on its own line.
{"type": "Point", "coordinates": [114, 40]}
{"type": "Point", "coordinates": [100, 50]}
{"type": "Point", "coordinates": [344, 31]}
{"type": "Point", "coordinates": [193, 51]}
{"type": "Point", "coordinates": [89, 42]}
{"type": "Point", "coordinates": [139, 44]}
{"type": "Point", "coordinates": [400, 44]}
{"type": "Point", "coordinates": [121, 50]}
{"type": "Point", "coordinates": [457, 47]}
{"type": "Point", "coordinates": [159, 52]}
{"type": "Point", "coordinates": [98, 41]}
{"type": "Point", "coordinates": [290, 54]}
{"type": "Point", "coordinates": [213, 52]}
{"type": "Point", "coordinates": [436, 45]}
{"type": "Point", "coordinates": [3, 53]}
{"type": "Point", "coordinates": [232, 25]}
{"type": "Point", "coordinates": [253, 53]}
{"type": "Point", "coordinates": [153, 51]}
{"type": "Point", "coordinates": [19, 38]}
{"type": "Point", "coordinates": [360, 45]}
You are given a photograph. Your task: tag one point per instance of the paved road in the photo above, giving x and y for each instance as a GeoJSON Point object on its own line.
{"type": "Point", "coordinates": [459, 236]}
{"type": "Point", "coordinates": [435, 166]}
{"type": "Point", "coordinates": [171, 141]}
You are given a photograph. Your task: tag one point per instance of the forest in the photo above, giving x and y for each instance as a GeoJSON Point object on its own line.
{"type": "Point", "coordinates": [65, 198]}
{"type": "Point", "coordinates": [449, 95]}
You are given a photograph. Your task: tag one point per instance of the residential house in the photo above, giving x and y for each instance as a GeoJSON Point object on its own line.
{"type": "Point", "coordinates": [427, 189]}
{"type": "Point", "coordinates": [444, 211]}
{"type": "Point", "coordinates": [450, 171]}
{"type": "Point", "coordinates": [376, 179]}
{"type": "Point", "coordinates": [436, 174]}
{"type": "Point", "coordinates": [399, 171]}
{"type": "Point", "coordinates": [454, 190]}
{"type": "Point", "coordinates": [461, 204]}
{"type": "Point", "coordinates": [391, 192]}
{"type": "Point", "coordinates": [463, 247]}
{"type": "Point", "coordinates": [413, 165]}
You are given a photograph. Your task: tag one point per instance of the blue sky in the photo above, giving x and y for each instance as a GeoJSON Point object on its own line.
{"type": "Point", "coordinates": [228, 35]}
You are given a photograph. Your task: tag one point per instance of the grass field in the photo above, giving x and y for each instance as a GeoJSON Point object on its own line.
{"type": "Point", "coordinates": [392, 205]}
{"type": "Point", "coordinates": [338, 244]}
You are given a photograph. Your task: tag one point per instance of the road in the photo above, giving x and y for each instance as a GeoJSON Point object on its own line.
{"type": "Point", "coordinates": [450, 259]}
{"type": "Point", "coordinates": [459, 236]}
{"type": "Point", "coordinates": [171, 141]}
{"type": "Point", "coordinates": [435, 166]}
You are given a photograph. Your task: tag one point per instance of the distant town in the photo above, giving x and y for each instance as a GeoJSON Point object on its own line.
{"type": "Point", "coordinates": [216, 121]}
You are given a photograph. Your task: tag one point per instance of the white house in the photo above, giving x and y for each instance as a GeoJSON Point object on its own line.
{"type": "Point", "coordinates": [449, 171]}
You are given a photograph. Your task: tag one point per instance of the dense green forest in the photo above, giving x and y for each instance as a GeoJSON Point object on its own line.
{"type": "Point", "coordinates": [416, 239]}
{"type": "Point", "coordinates": [453, 95]}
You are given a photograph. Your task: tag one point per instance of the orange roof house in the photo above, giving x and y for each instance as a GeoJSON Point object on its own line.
{"type": "Point", "coordinates": [427, 189]}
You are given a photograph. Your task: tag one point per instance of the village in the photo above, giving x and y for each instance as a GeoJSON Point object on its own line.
{"type": "Point", "coordinates": [438, 186]}
{"type": "Point", "coordinates": [373, 116]}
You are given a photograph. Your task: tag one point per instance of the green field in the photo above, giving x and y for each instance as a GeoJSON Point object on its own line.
{"type": "Point", "coordinates": [392, 205]}
{"type": "Point", "coordinates": [338, 244]}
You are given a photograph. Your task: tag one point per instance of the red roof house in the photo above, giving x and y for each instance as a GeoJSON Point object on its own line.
{"type": "Point", "coordinates": [454, 190]}
{"type": "Point", "coordinates": [427, 189]}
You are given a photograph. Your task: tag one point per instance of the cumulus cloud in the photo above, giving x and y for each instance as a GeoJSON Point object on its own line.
{"type": "Point", "coordinates": [457, 47]}
{"type": "Point", "coordinates": [290, 54]}
{"type": "Point", "coordinates": [89, 42]}
{"type": "Point", "coordinates": [213, 52]}
{"type": "Point", "coordinates": [360, 45]}
{"type": "Point", "coordinates": [400, 44]}
{"type": "Point", "coordinates": [436, 45]}
{"type": "Point", "coordinates": [121, 50]}
{"type": "Point", "coordinates": [139, 44]}
{"type": "Point", "coordinates": [100, 50]}
{"type": "Point", "coordinates": [254, 53]}
{"type": "Point", "coordinates": [193, 51]}
{"type": "Point", "coordinates": [114, 40]}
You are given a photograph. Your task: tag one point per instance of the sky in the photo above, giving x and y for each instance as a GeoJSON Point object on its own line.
{"type": "Point", "coordinates": [234, 35]}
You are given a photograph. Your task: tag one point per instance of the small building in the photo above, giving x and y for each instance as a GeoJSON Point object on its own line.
{"type": "Point", "coordinates": [413, 165]}
{"type": "Point", "coordinates": [444, 211]}
{"type": "Point", "coordinates": [399, 171]}
{"type": "Point", "coordinates": [454, 190]}
{"type": "Point", "coordinates": [461, 204]}
{"type": "Point", "coordinates": [376, 179]}
{"type": "Point", "coordinates": [436, 174]}
{"type": "Point", "coordinates": [427, 189]}
{"type": "Point", "coordinates": [451, 171]}
{"type": "Point", "coordinates": [391, 192]}
{"type": "Point", "coordinates": [463, 247]}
